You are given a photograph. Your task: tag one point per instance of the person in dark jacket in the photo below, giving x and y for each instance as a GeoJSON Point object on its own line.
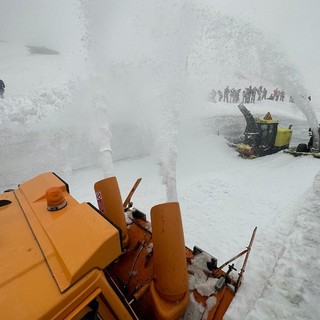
{"type": "Point", "coordinates": [2, 86]}
{"type": "Point", "coordinates": [310, 143]}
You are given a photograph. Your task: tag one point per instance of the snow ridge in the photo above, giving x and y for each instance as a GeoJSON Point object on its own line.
{"type": "Point", "coordinates": [295, 283]}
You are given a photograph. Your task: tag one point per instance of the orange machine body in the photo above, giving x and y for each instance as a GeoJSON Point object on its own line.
{"type": "Point", "coordinates": [76, 262]}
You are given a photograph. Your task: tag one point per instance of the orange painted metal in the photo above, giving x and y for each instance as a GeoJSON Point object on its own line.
{"type": "Point", "coordinates": [53, 263]}
{"type": "Point", "coordinates": [246, 259]}
{"type": "Point", "coordinates": [169, 264]}
{"type": "Point", "coordinates": [110, 204]}
{"type": "Point", "coordinates": [169, 289]}
{"type": "Point", "coordinates": [132, 191]}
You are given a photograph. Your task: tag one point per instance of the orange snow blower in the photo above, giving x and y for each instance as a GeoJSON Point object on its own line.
{"type": "Point", "coordinates": [61, 259]}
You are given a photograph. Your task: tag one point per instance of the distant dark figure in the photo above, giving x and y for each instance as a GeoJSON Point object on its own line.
{"type": "Point", "coordinates": [253, 94]}
{"type": "Point", "coordinates": [243, 95]}
{"type": "Point", "coordinates": [282, 95]}
{"type": "Point", "coordinates": [2, 86]}
{"type": "Point", "coordinates": [310, 143]}
{"type": "Point", "coordinates": [309, 98]}
{"type": "Point", "coordinates": [259, 93]}
{"type": "Point", "coordinates": [249, 92]}
{"type": "Point", "coordinates": [238, 95]}
{"type": "Point", "coordinates": [264, 94]}
{"type": "Point", "coordinates": [232, 95]}
{"type": "Point", "coordinates": [291, 99]}
{"type": "Point", "coordinates": [226, 94]}
{"type": "Point", "coordinates": [220, 95]}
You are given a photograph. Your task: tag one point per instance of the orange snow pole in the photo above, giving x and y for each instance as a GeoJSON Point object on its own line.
{"type": "Point", "coordinates": [110, 204]}
{"type": "Point", "coordinates": [169, 290]}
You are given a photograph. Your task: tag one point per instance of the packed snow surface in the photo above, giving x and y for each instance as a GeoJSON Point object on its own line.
{"type": "Point", "coordinates": [138, 107]}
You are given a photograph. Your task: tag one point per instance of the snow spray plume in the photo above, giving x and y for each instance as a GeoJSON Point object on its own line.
{"type": "Point", "coordinates": [232, 51]}
{"type": "Point", "coordinates": [101, 132]}
{"type": "Point", "coordinates": [284, 74]}
{"type": "Point", "coordinates": [93, 100]}
{"type": "Point", "coordinates": [175, 43]}
{"type": "Point", "coordinates": [123, 74]}
{"type": "Point", "coordinates": [142, 67]}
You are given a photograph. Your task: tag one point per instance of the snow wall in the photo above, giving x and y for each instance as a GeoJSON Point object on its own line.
{"type": "Point", "coordinates": [134, 77]}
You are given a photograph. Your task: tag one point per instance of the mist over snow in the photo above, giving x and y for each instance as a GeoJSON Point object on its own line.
{"type": "Point", "coordinates": [101, 88]}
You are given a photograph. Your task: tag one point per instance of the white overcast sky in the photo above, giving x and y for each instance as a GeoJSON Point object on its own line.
{"type": "Point", "coordinates": [293, 24]}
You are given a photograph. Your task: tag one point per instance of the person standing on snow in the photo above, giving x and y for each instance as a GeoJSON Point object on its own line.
{"type": "Point", "coordinates": [249, 92]}
{"type": "Point", "coordinates": [213, 96]}
{"type": "Point", "coordinates": [264, 94]}
{"type": "Point", "coordinates": [310, 143]}
{"type": "Point", "coordinates": [253, 94]}
{"type": "Point", "coordinates": [276, 94]}
{"type": "Point", "coordinates": [244, 96]}
{"type": "Point", "coordinates": [238, 95]}
{"type": "Point", "coordinates": [226, 94]}
{"type": "Point", "coordinates": [2, 86]}
{"type": "Point", "coordinates": [259, 94]}
{"type": "Point", "coordinates": [232, 95]}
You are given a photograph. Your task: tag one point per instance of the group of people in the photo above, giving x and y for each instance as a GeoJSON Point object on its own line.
{"type": "Point", "coordinates": [277, 95]}
{"type": "Point", "coordinates": [247, 95]}
{"type": "Point", "coordinates": [2, 86]}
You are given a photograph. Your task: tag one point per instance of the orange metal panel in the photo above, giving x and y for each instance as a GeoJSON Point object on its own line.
{"type": "Point", "coordinates": [39, 248]}
{"type": "Point", "coordinates": [93, 242]}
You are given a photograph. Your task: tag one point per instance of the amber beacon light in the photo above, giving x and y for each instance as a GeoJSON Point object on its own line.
{"type": "Point", "coordinates": [55, 199]}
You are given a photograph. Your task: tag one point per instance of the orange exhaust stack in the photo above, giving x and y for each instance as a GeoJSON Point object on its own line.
{"type": "Point", "coordinates": [110, 204]}
{"type": "Point", "coordinates": [169, 290]}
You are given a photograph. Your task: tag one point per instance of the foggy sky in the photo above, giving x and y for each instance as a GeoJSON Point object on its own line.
{"type": "Point", "coordinates": [293, 25]}
{"type": "Point", "coordinates": [290, 24]}
{"type": "Point", "coordinates": [53, 24]}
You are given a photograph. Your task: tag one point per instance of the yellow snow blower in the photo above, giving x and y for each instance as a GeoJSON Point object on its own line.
{"type": "Point", "coordinates": [262, 136]}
